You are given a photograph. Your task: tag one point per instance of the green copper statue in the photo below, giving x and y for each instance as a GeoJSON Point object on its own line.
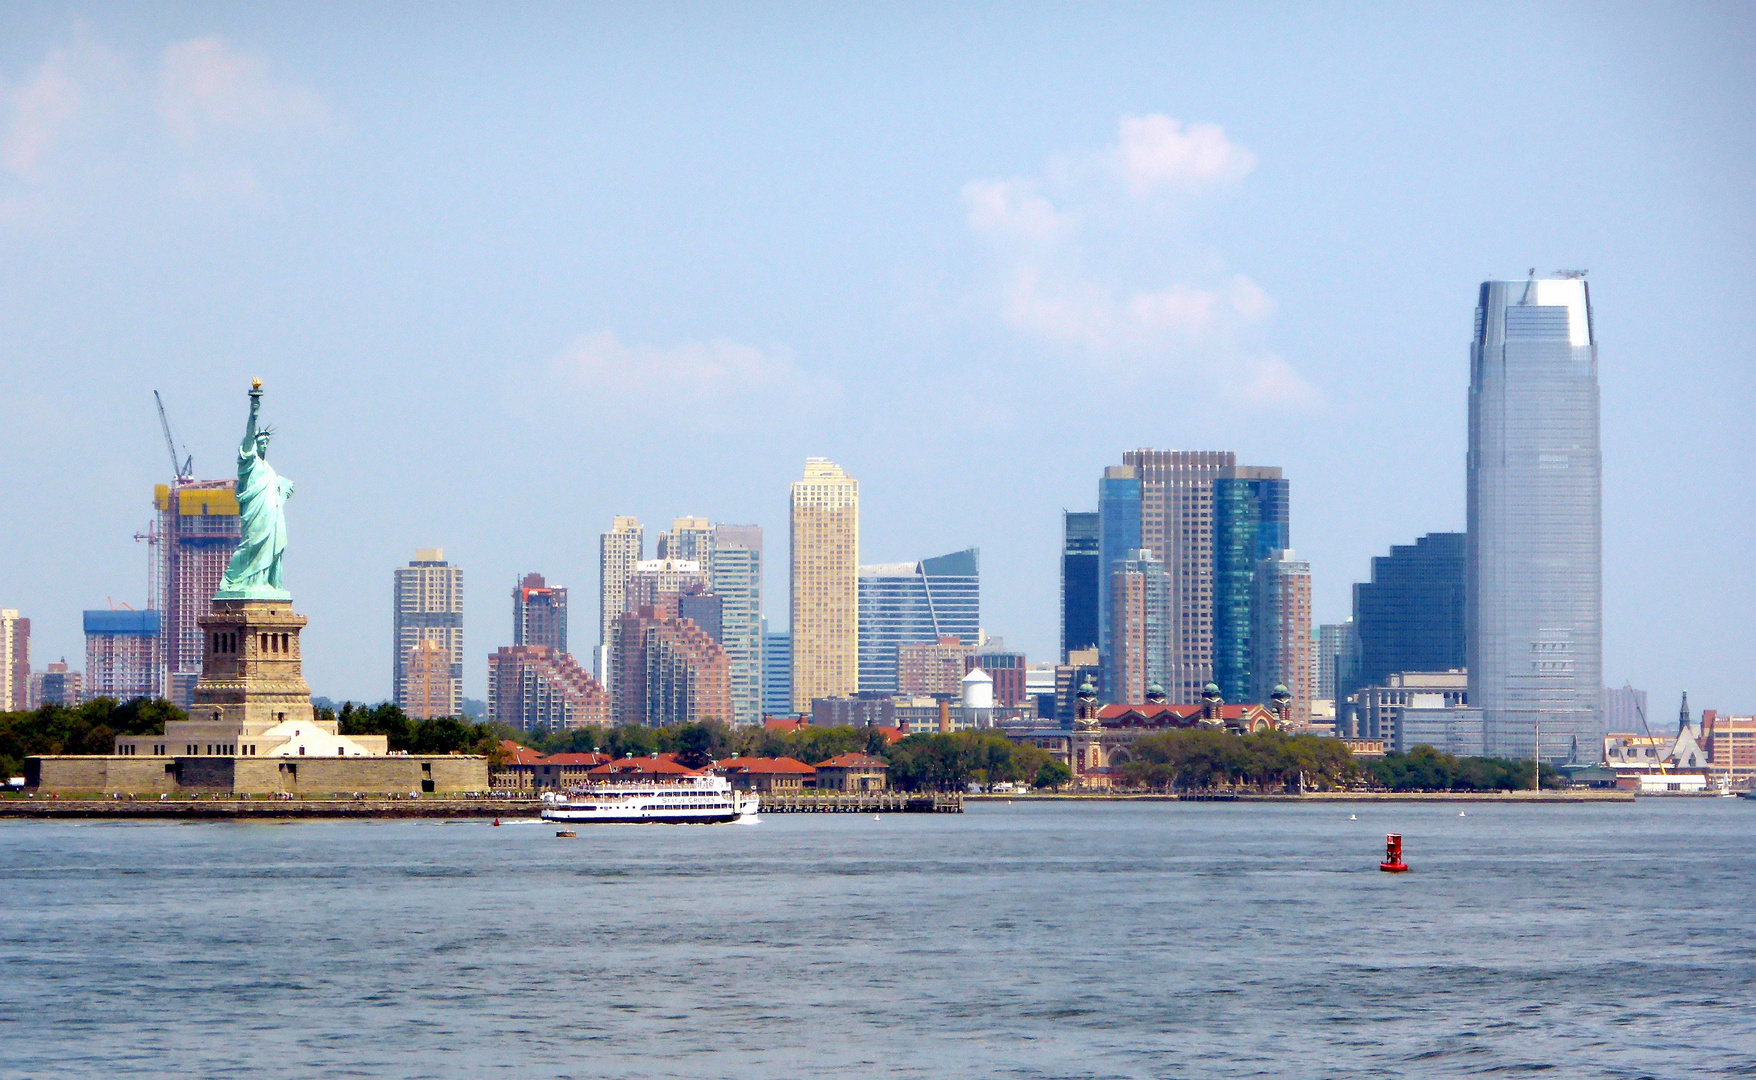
{"type": "Point", "coordinates": [254, 572]}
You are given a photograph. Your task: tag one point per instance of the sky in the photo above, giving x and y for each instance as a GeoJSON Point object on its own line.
{"type": "Point", "coordinates": [508, 273]}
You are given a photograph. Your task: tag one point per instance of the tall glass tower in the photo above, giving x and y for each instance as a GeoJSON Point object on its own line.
{"type": "Point", "coordinates": [1533, 605]}
{"type": "Point", "coordinates": [1251, 507]}
{"type": "Point", "coordinates": [1118, 537]}
{"type": "Point", "coordinates": [1079, 582]}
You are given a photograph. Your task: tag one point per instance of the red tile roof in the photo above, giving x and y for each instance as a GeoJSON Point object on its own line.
{"type": "Point", "coordinates": [646, 766]}
{"type": "Point", "coordinates": [519, 755]}
{"type": "Point", "coordinates": [772, 724]}
{"type": "Point", "coordinates": [1151, 714]}
{"type": "Point", "coordinates": [854, 761]}
{"type": "Point", "coordinates": [576, 759]}
{"type": "Point", "coordinates": [892, 735]}
{"type": "Point", "coordinates": [776, 765]}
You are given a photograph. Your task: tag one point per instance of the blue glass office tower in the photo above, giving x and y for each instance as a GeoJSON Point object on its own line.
{"type": "Point", "coordinates": [1409, 617]}
{"type": "Point", "coordinates": [1251, 510]}
{"type": "Point", "coordinates": [1533, 600]}
{"type": "Point", "coordinates": [1118, 537]}
{"type": "Point", "coordinates": [1079, 582]}
{"type": "Point", "coordinates": [777, 672]}
{"type": "Point", "coordinates": [915, 603]}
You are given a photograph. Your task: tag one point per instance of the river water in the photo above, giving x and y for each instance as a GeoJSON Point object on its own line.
{"type": "Point", "coordinates": [1022, 940]}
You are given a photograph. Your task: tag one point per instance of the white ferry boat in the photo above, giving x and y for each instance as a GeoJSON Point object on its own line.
{"type": "Point", "coordinates": [685, 800]}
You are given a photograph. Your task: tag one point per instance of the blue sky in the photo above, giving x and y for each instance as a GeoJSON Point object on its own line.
{"type": "Point", "coordinates": [507, 276]}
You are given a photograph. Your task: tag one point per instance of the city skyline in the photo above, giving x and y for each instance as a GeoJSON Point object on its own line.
{"type": "Point", "coordinates": [893, 260]}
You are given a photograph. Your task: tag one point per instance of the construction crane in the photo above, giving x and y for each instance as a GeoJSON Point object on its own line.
{"type": "Point", "coordinates": [186, 471]}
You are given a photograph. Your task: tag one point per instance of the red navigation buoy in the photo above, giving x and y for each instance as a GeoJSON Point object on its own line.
{"type": "Point", "coordinates": [1393, 863]}
{"type": "Point", "coordinates": [496, 823]}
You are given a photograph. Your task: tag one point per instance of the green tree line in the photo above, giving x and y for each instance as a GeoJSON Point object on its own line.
{"type": "Point", "coordinates": [1200, 759]}
{"type": "Point", "coordinates": [90, 728]}
{"type": "Point", "coordinates": [1174, 760]}
{"type": "Point", "coordinates": [1427, 769]}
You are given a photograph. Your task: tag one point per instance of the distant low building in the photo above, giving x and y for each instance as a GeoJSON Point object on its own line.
{"type": "Point", "coordinates": [861, 710]}
{"type": "Point", "coordinates": [1427, 721]}
{"type": "Point", "coordinates": [770, 775]}
{"type": "Point", "coordinates": [1103, 735]}
{"type": "Point", "coordinates": [56, 684]}
{"type": "Point", "coordinates": [853, 772]}
{"type": "Point", "coordinates": [1374, 711]}
{"type": "Point", "coordinates": [928, 668]}
{"type": "Point", "coordinates": [1730, 742]}
{"type": "Point", "coordinates": [1005, 667]}
{"type": "Point", "coordinates": [523, 769]}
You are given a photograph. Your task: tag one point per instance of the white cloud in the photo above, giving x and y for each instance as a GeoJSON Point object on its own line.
{"type": "Point", "coordinates": [86, 127]}
{"type": "Point", "coordinates": [34, 114]}
{"type": "Point", "coordinates": [1156, 151]}
{"type": "Point", "coordinates": [205, 85]}
{"type": "Point", "coordinates": [1087, 264]}
{"type": "Point", "coordinates": [1268, 381]}
{"type": "Point", "coordinates": [630, 380]}
{"type": "Point", "coordinates": [1014, 209]}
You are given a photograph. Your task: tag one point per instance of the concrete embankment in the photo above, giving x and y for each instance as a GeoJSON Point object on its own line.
{"type": "Point", "coordinates": [267, 809]}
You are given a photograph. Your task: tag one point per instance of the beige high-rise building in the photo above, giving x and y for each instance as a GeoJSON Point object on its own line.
{"type": "Point", "coordinates": [1282, 632]}
{"type": "Point", "coordinates": [428, 607]}
{"type": "Point", "coordinates": [1176, 524]}
{"type": "Point", "coordinates": [690, 540]}
{"type": "Point", "coordinates": [15, 695]}
{"type": "Point", "coordinates": [825, 584]}
{"type": "Point", "coordinates": [428, 690]}
{"type": "Point", "coordinates": [619, 551]}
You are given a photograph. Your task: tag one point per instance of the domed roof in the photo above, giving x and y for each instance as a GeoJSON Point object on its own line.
{"type": "Point", "coordinates": [977, 675]}
{"type": "Point", "coordinates": [1210, 688]}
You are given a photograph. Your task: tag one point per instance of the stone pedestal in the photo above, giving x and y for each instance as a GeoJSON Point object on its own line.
{"type": "Point", "coordinates": [251, 678]}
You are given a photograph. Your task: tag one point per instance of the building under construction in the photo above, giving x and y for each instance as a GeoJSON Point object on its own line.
{"type": "Point", "coordinates": [194, 536]}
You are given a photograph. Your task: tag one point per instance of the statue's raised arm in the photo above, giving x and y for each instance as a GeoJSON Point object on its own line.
{"type": "Point", "coordinates": [254, 572]}
{"type": "Point", "coordinates": [248, 446]}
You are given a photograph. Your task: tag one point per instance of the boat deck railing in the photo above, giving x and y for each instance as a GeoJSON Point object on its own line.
{"type": "Point", "coordinates": [812, 801]}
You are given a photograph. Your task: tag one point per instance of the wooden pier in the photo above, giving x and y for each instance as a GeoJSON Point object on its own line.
{"type": "Point", "coordinates": [810, 801]}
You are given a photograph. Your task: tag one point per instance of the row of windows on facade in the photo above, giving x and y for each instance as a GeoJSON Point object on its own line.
{"type": "Point", "coordinates": [227, 642]}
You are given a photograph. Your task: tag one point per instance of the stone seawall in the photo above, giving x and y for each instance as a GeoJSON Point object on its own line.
{"type": "Point", "coordinates": [122, 774]}
{"type": "Point", "coordinates": [267, 809]}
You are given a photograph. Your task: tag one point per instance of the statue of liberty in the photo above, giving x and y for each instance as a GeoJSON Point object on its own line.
{"type": "Point", "coordinates": [254, 572]}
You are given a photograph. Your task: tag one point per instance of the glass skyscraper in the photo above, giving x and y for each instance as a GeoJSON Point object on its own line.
{"type": "Point", "coordinates": [734, 572]}
{"type": "Point", "coordinates": [1409, 617]}
{"type": "Point", "coordinates": [912, 603]}
{"type": "Point", "coordinates": [1118, 537]}
{"type": "Point", "coordinates": [1079, 582]}
{"type": "Point", "coordinates": [1534, 554]}
{"type": "Point", "coordinates": [1251, 509]}
{"type": "Point", "coordinates": [777, 672]}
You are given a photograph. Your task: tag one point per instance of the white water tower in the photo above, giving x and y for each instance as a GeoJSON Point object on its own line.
{"type": "Point", "coordinates": [978, 699]}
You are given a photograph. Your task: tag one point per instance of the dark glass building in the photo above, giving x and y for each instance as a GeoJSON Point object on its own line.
{"type": "Point", "coordinates": [1409, 617]}
{"type": "Point", "coordinates": [1251, 509]}
{"type": "Point", "coordinates": [1079, 583]}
